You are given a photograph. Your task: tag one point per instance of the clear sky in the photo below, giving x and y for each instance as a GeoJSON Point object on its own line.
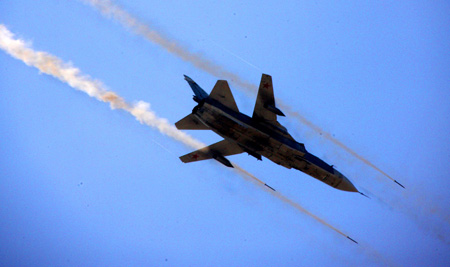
{"type": "Point", "coordinates": [81, 184]}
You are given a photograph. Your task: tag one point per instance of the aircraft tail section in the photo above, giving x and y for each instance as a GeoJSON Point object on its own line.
{"type": "Point", "coordinates": [200, 94]}
{"type": "Point", "coordinates": [265, 109]}
{"type": "Point", "coordinates": [190, 122]}
{"type": "Point", "coordinates": [222, 94]}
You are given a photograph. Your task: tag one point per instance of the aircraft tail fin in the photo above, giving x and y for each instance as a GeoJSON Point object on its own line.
{"type": "Point", "coordinates": [190, 122]}
{"type": "Point", "coordinates": [265, 109]}
{"type": "Point", "coordinates": [200, 94]}
{"type": "Point", "coordinates": [222, 94]}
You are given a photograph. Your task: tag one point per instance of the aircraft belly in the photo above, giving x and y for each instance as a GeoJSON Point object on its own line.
{"type": "Point", "coordinates": [245, 135]}
{"type": "Point", "coordinates": [260, 135]}
{"type": "Point", "coordinates": [282, 155]}
{"type": "Point", "coordinates": [317, 172]}
{"type": "Point", "coordinates": [256, 141]}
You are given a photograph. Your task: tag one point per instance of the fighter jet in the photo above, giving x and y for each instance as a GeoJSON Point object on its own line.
{"type": "Point", "coordinates": [260, 135]}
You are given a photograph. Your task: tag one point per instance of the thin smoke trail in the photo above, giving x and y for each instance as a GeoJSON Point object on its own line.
{"type": "Point", "coordinates": [109, 9]}
{"type": "Point", "coordinates": [329, 137]}
{"type": "Point", "coordinates": [287, 200]}
{"type": "Point", "coordinates": [51, 65]}
{"type": "Point", "coordinates": [364, 247]}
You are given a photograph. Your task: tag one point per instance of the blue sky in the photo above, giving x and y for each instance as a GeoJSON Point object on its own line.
{"type": "Point", "coordinates": [82, 184]}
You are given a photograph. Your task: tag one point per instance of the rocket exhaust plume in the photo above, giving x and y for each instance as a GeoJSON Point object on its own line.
{"type": "Point", "coordinates": [65, 72]}
{"type": "Point", "coordinates": [109, 9]}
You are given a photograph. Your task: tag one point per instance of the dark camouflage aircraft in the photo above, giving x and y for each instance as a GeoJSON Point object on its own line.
{"type": "Point", "coordinates": [260, 135]}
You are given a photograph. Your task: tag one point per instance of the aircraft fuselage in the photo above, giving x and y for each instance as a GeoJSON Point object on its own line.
{"type": "Point", "coordinates": [262, 139]}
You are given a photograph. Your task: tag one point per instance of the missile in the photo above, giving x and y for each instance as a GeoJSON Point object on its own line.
{"type": "Point", "coordinates": [253, 154]}
{"type": "Point", "coordinates": [270, 187]}
{"type": "Point", "coordinates": [223, 160]}
{"type": "Point", "coordinates": [399, 183]}
{"type": "Point", "coordinates": [274, 110]}
{"type": "Point", "coordinates": [352, 239]}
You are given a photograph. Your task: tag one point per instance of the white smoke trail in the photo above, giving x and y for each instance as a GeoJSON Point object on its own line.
{"type": "Point", "coordinates": [65, 72]}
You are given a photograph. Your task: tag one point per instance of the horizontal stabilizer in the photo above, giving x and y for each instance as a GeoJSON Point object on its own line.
{"type": "Point", "coordinates": [190, 122]}
{"type": "Point", "coordinates": [216, 151]}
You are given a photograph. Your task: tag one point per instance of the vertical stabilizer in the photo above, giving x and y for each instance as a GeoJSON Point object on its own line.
{"type": "Point", "coordinates": [222, 93]}
{"type": "Point", "coordinates": [265, 109]}
{"type": "Point", "coordinates": [200, 94]}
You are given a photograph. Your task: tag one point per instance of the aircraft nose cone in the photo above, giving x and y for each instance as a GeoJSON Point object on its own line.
{"type": "Point", "coordinates": [346, 185]}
